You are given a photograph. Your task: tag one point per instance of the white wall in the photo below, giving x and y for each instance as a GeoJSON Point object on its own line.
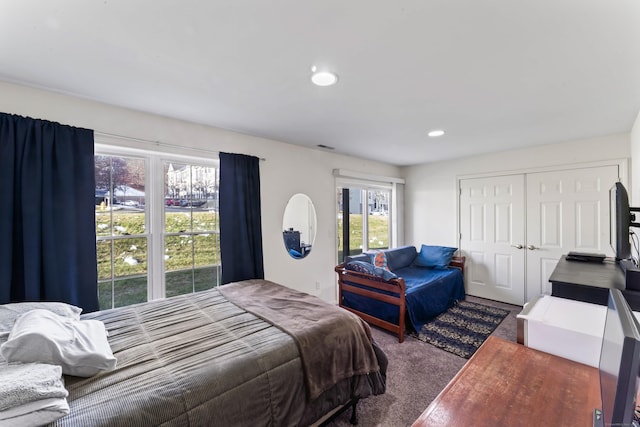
{"type": "Point", "coordinates": [288, 170]}
{"type": "Point", "coordinates": [430, 192]}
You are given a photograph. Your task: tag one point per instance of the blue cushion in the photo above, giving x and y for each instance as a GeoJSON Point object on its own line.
{"type": "Point", "coordinates": [368, 268]}
{"type": "Point", "coordinates": [400, 257]}
{"type": "Point", "coordinates": [434, 256]}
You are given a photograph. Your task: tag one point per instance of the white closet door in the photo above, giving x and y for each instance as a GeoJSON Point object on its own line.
{"type": "Point", "coordinates": [566, 211]}
{"type": "Point", "coordinates": [492, 237]}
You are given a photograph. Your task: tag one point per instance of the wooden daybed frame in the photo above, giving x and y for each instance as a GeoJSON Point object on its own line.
{"type": "Point", "coordinates": [396, 286]}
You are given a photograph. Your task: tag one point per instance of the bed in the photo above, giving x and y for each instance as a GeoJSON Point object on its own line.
{"type": "Point", "coordinates": [222, 357]}
{"type": "Point", "coordinates": [409, 294]}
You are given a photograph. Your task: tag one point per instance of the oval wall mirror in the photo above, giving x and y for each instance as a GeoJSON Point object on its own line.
{"type": "Point", "coordinates": [299, 226]}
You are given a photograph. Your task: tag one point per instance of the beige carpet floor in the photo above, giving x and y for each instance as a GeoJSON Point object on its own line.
{"type": "Point", "coordinates": [417, 372]}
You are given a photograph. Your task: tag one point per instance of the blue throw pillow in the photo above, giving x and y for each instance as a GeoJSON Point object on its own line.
{"type": "Point", "coordinates": [434, 256]}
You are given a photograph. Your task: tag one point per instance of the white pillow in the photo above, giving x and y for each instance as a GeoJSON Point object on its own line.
{"type": "Point", "coordinates": [10, 312]}
{"type": "Point", "coordinates": [80, 347]}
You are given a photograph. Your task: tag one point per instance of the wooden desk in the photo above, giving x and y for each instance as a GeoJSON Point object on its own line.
{"type": "Point", "coordinates": [508, 384]}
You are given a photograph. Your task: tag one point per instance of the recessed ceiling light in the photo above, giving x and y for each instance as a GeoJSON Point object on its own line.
{"type": "Point", "coordinates": [323, 77]}
{"type": "Point", "coordinates": [436, 133]}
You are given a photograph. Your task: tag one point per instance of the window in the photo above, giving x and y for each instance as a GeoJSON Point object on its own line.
{"type": "Point", "coordinates": [368, 226]}
{"type": "Point", "coordinates": [191, 238]}
{"type": "Point", "coordinates": [157, 231]}
{"type": "Point", "coordinates": [122, 241]}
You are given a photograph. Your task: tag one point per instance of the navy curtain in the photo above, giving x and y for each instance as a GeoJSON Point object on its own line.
{"type": "Point", "coordinates": [240, 218]}
{"type": "Point", "coordinates": [47, 213]}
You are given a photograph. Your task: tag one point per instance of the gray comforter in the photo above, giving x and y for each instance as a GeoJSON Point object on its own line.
{"type": "Point", "coordinates": [333, 344]}
{"type": "Point", "coordinates": [201, 360]}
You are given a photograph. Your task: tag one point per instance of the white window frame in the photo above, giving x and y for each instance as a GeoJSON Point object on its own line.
{"type": "Point", "coordinates": [346, 178]}
{"type": "Point", "coordinates": [154, 186]}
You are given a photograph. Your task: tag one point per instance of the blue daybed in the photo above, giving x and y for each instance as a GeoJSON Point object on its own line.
{"type": "Point", "coordinates": [421, 284]}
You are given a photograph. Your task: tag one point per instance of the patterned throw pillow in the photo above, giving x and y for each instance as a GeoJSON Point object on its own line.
{"type": "Point", "coordinates": [379, 259]}
{"type": "Point", "coordinates": [360, 267]}
{"type": "Point", "coordinates": [367, 268]}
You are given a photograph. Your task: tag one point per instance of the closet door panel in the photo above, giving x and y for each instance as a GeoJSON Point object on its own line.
{"type": "Point", "coordinates": [492, 229]}
{"type": "Point", "coordinates": [567, 210]}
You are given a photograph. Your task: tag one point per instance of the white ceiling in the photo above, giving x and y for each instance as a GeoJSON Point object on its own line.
{"type": "Point", "coordinates": [495, 74]}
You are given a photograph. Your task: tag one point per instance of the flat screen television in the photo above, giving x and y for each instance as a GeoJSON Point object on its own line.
{"type": "Point", "coordinates": [620, 221]}
{"type": "Point", "coordinates": [619, 366]}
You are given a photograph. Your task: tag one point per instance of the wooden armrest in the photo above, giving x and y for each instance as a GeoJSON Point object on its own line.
{"type": "Point", "coordinates": [458, 262]}
{"type": "Point", "coordinates": [369, 286]}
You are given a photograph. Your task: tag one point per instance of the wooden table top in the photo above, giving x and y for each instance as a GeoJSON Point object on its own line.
{"type": "Point", "coordinates": [508, 384]}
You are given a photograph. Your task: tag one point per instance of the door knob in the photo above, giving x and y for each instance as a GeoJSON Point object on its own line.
{"type": "Point", "coordinates": [518, 246]}
{"type": "Point", "coordinates": [531, 247]}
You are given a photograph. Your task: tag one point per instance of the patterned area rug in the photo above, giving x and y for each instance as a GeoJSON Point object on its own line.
{"type": "Point", "coordinates": [463, 328]}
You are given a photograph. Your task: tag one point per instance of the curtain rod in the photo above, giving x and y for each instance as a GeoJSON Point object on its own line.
{"type": "Point", "coordinates": [158, 143]}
